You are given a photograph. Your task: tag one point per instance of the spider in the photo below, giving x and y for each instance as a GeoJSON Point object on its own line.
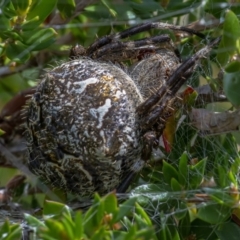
{"type": "Point", "coordinates": [93, 122]}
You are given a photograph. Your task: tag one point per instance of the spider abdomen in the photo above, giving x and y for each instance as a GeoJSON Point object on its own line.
{"type": "Point", "coordinates": [82, 131]}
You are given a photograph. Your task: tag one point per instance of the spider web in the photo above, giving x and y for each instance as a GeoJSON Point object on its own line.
{"type": "Point", "coordinates": [166, 206]}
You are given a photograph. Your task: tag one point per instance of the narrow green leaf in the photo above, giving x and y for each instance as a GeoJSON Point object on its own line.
{"type": "Point", "coordinates": [231, 33]}
{"type": "Point", "coordinates": [140, 211]}
{"type": "Point", "coordinates": [55, 229]}
{"type": "Point", "coordinates": [176, 187]}
{"type": "Point", "coordinates": [181, 209]}
{"type": "Point", "coordinates": [66, 8]}
{"type": "Point", "coordinates": [110, 203]}
{"type": "Point", "coordinates": [11, 34]}
{"type": "Point", "coordinates": [169, 172]}
{"type": "Point", "coordinates": [146, 233]}
{"type": "Point", "coordinates": [9, 10]}
{"type": "Point", "coordinates": [125, 208]}
{"type": "Point", "coordinates": [31, 24]}
{"type": "Point", "coordinates": [21, 7]}
{"type": "Point", "coordinates": [52, 208]}
{"type": "Point", "coordinates": [222, 178]}
{"type": "Point", "coordinates": [110, 9]}
{"type": "Point", "coordinates": [32, 221]}
{"type": "Point", "coordinates": [5, 228]}
{"type": "Point", "coordinates": [184, 226]}
{"type": "Point", "coordinates": [196, 173]}
{"type": "Point", "coordinates": [42, 9]}
{"type": "Point", "coordinates": [4, 24]}
{"type": "Point", "coordinates": [220, 197]}
{"type": "Point", "coordinates": [17, 52]}
{"type": "Point", "coordinates": [78, 225]}
{"type": "Point", "coordinates": [131, 233]}
{"type": "Point", "coordinates": [68, 226]}
{"type": "Point", "coordinates": [93, 217]}
{"type": "Point", "coordinates": [1, 132]}
{"type": "Point", "coordinates": [183, 170]}
{"type": "Point", "coordinates": [39, 39]}
{"type": "Point", "coordinates": [15, 234]}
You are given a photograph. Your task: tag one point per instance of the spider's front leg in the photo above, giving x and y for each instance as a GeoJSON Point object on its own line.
{"type": "Point", "coordinates": [135, 30]}
{"type": "Point", "coordinates": [121, 51]}
{"type": "Point", "coordinates": [155, 106]}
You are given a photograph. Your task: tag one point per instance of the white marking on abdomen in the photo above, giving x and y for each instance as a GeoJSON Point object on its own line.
{"type": "Point", "coordinates": [100, 112]}
{"type": "Point", "coordinates": [83, 84]}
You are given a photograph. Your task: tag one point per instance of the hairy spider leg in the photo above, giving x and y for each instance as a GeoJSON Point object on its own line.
{"type": "Point", "coordinates": [123, 186]}
{"type": "Point", "coordinates": [122, 51]}
{"type": "Point", "coordinates": [138, 29]}
{"type": "Point", "coordinates": [155, 105]}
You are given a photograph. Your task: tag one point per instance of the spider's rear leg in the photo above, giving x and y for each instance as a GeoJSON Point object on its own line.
{"type": "Point", "coordinates": [122, 51]}
{"type": "Point", "coordinates": [150, 140]}
{"type": "Point", "coordinates": [124, 185]}
{"type": "Point", "coordinates": [156, 104]}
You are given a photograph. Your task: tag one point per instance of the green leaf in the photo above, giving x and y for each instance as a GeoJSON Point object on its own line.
{"type": "Point", "coordinates": [169, 172]}
{"type": "Point", "coordinates": [196, 173]}
{"type": "Point", "coordinates": [1, 132]}
{"type": "Point", "coordinates": [228, 230]}
{"type": "Point", "coordinates": [235, 166]}
{"type": "Point", "coordinates": [110, 9]}
{"type": "Point", "coordinates": [124, 209]}
{"type": "Point", "coordinates": [69, 225]}
{"type": "Point", "coordinates": [66, 8]}
{"type": "Point", "coordinates": [222, 178]}
{"type": "Point", "coordinates": [101, 234]}
{"type": "Point", "coordinates": [140, 211]}
{"type": "Point", "coordinates": [9, 10]}
{"type": "Point", "coordinates": [39, 39]}
{"type": "Point", "coordinates": [146, 233]}
{"type": "Point", "coordinates": [164, 233]}
{"type": "Point", "coordinates": [17, 52]}
{"type": "Point", "coordinates": [231, 33]}
{"type": "Point", "coordinates": [131, 233]}
{"type": "Point", "coordinates": [94, 216]}
{"type": "Point", "coordinates": [5, 228]}
{"type": "Point", "coordinates": [110, 203]}
{"type": "Point", "coordinates": [22, 6]}
{"type": "Point", "coordinates": [4, 24]}
{"type": "Point", "coordinates": [15, 234]}
{"type": "Point", "coordinates": [183, 170]}
{"type": "Point", "coordinates": [55, 229]}
{"type": "Point", "coordinates": [181, 210]}
{"type": "Point", "coordinates": [203, 230]}
{"type": "Point", "coordinates": [221, 196]}
{"type": "Point", "coordinates": [213, 213]}
{"type": "Point", "coordinates": [52, 208]}
{"type": "Point", "coordinates": [42, 9]}
{"type": "Point", "coordinates": [233, 67]}
{"type": "Point", "coordinates": [32, 221]}
{"type": "Point", "coordinates": [231, 83]}
{"type": "Point", "coordinates": [31, 24]}
{"type": "Point", "coordinates": [184, 226]}
{"type": "Point", "coordinates": [78, 225]}
{"type": "Point", "coordinates": [11, 34]}
{"type": "Point", "coordinates": [176, 187]}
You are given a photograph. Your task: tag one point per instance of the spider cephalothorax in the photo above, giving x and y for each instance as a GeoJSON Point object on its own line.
{"type": "Point", "coordinates": [91, 125]}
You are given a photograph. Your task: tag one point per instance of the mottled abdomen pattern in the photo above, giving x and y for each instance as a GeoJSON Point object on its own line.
{"type": "Point", "coordinates": [82, 132]}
